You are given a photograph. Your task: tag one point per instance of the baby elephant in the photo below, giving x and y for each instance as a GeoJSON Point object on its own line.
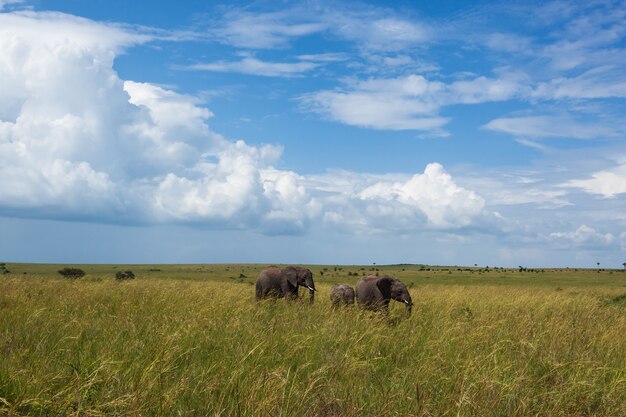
{"type": "Point", "coordinates": [341, 294]}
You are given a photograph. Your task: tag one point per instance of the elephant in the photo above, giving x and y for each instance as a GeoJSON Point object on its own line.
{"type": "Point", "coordinates": [284, 282]}
{"type": "Point", "coordinates": [374, 293]}
{"type": "Point", "coordinates": [341, 294]}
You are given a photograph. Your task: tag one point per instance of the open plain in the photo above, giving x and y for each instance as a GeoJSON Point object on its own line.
{"type": "Point", "coordinates": [190, 340]}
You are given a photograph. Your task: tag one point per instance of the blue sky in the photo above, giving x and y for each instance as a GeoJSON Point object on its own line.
{"type": "Point", "coordinates": [313, 132]}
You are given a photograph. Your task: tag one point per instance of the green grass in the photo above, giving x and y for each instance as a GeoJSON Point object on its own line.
{"type": "Point", "coordinates": [191, 340]}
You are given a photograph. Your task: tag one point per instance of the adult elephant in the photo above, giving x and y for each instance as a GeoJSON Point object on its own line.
{"type": "Point", "coordinates": [284, 282]}
{"type": "Point", "coordinates": [341, 294]}
{"type": "Point", "coordinates": [375, 292]}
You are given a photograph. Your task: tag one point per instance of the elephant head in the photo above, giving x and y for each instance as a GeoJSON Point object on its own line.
{"type": "Point", "coordinates": [299, 276]}
{"type": "Point", "coordinates": [400, 292]}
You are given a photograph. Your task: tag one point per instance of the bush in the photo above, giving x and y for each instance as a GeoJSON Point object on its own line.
{"type": "Point", "coordinates": [123, 276]}
{"type": "Point", "coordinates": [72, 273]}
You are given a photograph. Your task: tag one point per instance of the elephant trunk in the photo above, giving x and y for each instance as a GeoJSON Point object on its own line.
{"type": "Point", "coordinates": [311, 295]}
{"type": "Point", "coordinates": [409, 307]}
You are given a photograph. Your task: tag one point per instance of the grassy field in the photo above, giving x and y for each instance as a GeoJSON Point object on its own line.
{"type": "Point", "coordinates": [190, 340]}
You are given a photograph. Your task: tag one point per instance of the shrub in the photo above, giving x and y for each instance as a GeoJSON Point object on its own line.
{"type": "Point", "coordinates": [123, 276]}
{"type": "Point", "coordinates": [72, 273]}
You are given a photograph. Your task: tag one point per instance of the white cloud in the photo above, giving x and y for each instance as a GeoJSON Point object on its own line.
{"type": "Point", "coordinates": [483, 89]}
{"type": "Point", "coordinates": [326, 57]}
{"type": "Point", "coordinates": [373, 31]}
{"type": "Point", "coordinates": [76, 141]}
{"type": "Point", "coordinates": [394, 104]}
{"type": "Point", "coordinates": [598, 83]}
{"type": "Point", "coordinates": [432, 193]}
{"type": "Point", "coordinates": [403, 204]}
{"type": "Point", "coordinates": [590, 37]}
{"type": "Point", "coordinates": [407, 103]}
{"type": "Point", "coordinates": [264, 30]}
{"type": "Point", "coordinates": [608, 183]}
{"type": "Point", "coordinates": [254, 66]}
{"type": "Point", "coordinates": [59, 99]}
{"type": "Point", "coordinates": [584, 236]}
{"type": "Point", "coordinates": [291, 207]}
{"type": "Point", "coordinates": [40, 30]}
{"type": "Point", "coordinates": [371, 28]}
{"type": "Point", "coordinates": [549, 127]}
{"type": "Point", "coordinates": [508, 42]}
{"type": "Point", "coordinates": [227, 191]}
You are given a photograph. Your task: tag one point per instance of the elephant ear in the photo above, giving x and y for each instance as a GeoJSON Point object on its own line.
{"type": "Point", "coordinates": [291, 274]}
{"type": "Point", "coordinates": [384, 285]}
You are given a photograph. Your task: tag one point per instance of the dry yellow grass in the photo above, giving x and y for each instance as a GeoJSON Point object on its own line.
{"type": "Point", "coordinates": [174, 347]}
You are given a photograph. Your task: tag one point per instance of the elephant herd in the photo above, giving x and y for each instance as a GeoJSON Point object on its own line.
{"type": "Point", "coordinates": [372, 292]}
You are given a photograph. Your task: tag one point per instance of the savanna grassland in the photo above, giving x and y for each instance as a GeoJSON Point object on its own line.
{"type": "Point", "coordinates": [190, 340]}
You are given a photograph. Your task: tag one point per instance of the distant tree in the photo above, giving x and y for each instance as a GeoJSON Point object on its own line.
{"type": "Point", "coordinates": [123, 276]}
{"type": "Point", "coordinates": [624, 264]}
{"type": "Point", "coordinates": [72, 273]}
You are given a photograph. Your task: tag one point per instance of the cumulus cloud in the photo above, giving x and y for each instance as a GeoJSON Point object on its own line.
{"type": "Point", "coordinates": [75, 139]}
{"type": "Point", "coordinates": [226, 191]}
{"type": "Point", "coordinates": [433, 193]}
{"type": "Point", "coordinates": [78, 142]}
{"type": "Point", "coordinates": [290, 205]}
{"type": "Point", "coordinates": [59, 103]}
{"type": "Point", "coordinates": [607, 183]}
{"type": "Point", "coordinates": [428, 200]}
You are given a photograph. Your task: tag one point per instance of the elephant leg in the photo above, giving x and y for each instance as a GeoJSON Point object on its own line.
{"type": "Point", "coordinates": [292, 295]}
{"type": "Point", "coordinates": [385, 307]}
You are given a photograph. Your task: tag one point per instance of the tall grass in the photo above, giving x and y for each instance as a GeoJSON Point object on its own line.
{"type": "Point", "coordinates": [176, 347]}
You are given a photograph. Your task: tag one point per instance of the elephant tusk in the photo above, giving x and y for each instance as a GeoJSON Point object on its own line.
{"type": "Point", "coordinates": [312, 289]}
{"type": "Point", "coordinates": [406, 302]}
